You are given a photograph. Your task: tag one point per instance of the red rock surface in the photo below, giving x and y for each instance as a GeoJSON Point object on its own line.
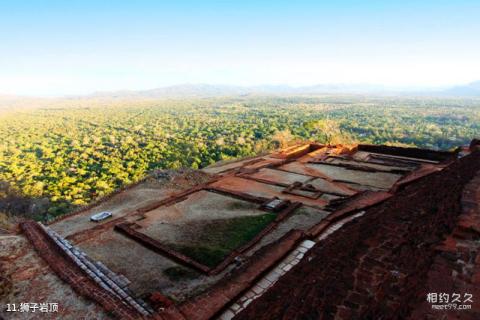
{"type": "Point", "coordinates": [409, 152]}
{"type": "Point", "coordinates": [381, 265]}
{"type": "Point", "coordinates": [456, 268]}
{"type": "Point", "coordinates": [158, 300]}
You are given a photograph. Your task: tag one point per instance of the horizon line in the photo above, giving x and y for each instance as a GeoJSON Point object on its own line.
{"type": "Point", "coordinates": [373, 87]}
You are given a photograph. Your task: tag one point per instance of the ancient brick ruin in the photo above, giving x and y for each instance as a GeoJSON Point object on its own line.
{"type": "Point", "coordinates": [363, 232]}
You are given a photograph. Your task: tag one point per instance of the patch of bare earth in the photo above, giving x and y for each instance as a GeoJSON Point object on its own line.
{"type": "Point", "coordinates": [26, 278]}
{"type": "Point", "coordinates": [159, 185]}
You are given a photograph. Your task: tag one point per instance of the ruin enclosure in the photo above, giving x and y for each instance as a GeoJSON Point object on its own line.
{"type": "Point", "coordinates": [233, 245]}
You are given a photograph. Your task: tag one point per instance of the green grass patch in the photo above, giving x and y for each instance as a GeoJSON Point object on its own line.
{"type": "Point", "coordinates": [205, 255]}
{"type": "Point", "coordinates": [302, 211]}
{"type": "Point", "coordinates": [214, 240]}
{"type": "Point", "coordinates": [242, 205]}
{"type": "Point", "coordinates": [180, 273]}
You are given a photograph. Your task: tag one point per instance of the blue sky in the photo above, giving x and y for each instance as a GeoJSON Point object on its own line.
{"type": "Point", "coordinates": [76, 47]}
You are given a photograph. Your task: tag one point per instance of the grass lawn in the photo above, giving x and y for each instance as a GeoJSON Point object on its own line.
{"type": "Point", "coordinates": [180, 273]}
{"type": "Point", "coordinates": [213, 240]}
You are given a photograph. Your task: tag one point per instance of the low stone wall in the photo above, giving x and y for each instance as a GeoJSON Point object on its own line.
{"type": "Point", "coordinates": [295, 151]}
{"type": "Point", "coordinates": [267, 281]}
{"type": "Point", "coordinates": [158, 247]}
{"type": "Point", "coordinates": [355, 204]}
{"type": "Point", "coordinates": [413, 176]}
{"type": "Point", "coordinates": [237, 195]}
{"type": "Point", "coordinates": [69, 272]}
{"type": "Point", "coordinates": [87, 234]}
{"type": "Point", "coordinates": [280, 217]}
{"type": "Point", "coordinates": [409, 152]}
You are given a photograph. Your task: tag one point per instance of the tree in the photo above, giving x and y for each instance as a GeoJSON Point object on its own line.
{"type": "Point", "coordinates": [282, 139]}
{"type": "Point", "coordinates": [329, 132]}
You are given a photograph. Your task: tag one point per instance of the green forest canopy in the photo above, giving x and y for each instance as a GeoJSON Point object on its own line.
{"type": "Point", "coordinates": [74, 152]}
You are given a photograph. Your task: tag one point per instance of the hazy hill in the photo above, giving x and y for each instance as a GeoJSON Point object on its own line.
{"type": "Point", "coordinates": [207, 90]}
{"type": "Point", "coordinates": [469, 90]}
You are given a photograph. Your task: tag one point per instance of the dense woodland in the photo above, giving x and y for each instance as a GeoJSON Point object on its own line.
{"type": "Point", "coordinates": [65, 154]}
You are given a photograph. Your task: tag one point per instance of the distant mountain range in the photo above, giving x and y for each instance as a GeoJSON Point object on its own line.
{"type": "Point", "coordinates": [470, 90]}
{"type": "Point", "coordinates": [207, 90]}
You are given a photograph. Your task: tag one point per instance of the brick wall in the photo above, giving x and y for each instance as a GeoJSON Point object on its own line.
{"type": "Point", "coordinates": [408, 152]}
{"type": "Point", "coordinates": [69, 272]}
{"type": "Point", "coordinates": [456, 267]}
{"type": "Point", "coordinates": [374, 267]}
{"type": "Point", "coordinates": [126, 229]}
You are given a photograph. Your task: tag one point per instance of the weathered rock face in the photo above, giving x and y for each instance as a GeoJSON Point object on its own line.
{"type": "Point", "coordinates": [30, 279]}
{"type": "Point", "coordinates": [375, 267]}
{"type": "Point", "coordinates": [455, 273]}
{"type": "Point", "coordinates": [5, 286]}
{"type": "Point", "coordinates": [474, 143]}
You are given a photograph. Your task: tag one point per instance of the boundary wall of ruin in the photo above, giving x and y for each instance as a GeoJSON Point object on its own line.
{"type": "Point", "coordinates": [296, 151]}
{"type": "Point", "coordinates": [427, 154]}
